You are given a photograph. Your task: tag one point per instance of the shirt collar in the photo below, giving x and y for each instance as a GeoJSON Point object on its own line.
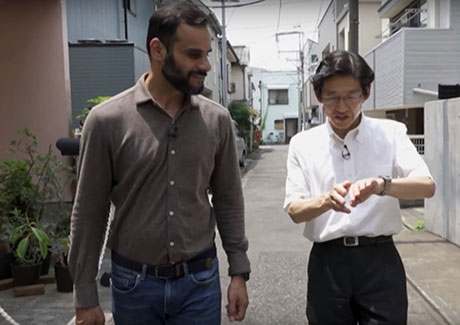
{"type": "Point", "coordinates": [357, 133]}
{"type": "Point", "coordinates": [142, 95]}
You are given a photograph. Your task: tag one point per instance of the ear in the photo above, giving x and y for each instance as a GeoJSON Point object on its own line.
{"type": "Point", "coordinates": [157, 50]}
{"type": "Point", "coordinates": [368, 91]}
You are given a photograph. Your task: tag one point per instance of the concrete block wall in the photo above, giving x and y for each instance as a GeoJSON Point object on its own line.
{"type": "Point", "coordinates": [442, 154]}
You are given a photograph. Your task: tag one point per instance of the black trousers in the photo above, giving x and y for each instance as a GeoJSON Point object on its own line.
{"type": "Point", "coordinates": [350, 285]}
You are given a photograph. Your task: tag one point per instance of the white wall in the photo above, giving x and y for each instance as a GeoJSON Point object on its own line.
{"type": "Point", "coordinates": [270, 113]}
{"type": "Point", "coordinates": [442, 155]}
{"type": "Point", "coordinates": [327, 33]}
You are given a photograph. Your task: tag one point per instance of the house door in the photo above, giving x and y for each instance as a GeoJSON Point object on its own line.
{"type": "Point", "coordinates": [291, 129]}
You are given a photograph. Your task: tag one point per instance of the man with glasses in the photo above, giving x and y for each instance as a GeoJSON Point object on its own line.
{"type": "Point", "coordinates": [344, 181]}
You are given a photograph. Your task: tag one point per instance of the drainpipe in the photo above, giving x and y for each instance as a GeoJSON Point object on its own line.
{"type": "Point", "coordinates": [125, 17]}
{"type": "Point", "coordinates": [425, 92]}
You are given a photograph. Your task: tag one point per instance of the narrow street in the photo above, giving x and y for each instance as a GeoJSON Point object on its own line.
{"type": "Point", "coordinates": [279, 252]}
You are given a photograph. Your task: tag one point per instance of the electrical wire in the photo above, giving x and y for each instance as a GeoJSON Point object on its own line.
{"type": "Point", "coordinates": [238, 6]}
{"type": "Point", "coordinates": [279, 17]}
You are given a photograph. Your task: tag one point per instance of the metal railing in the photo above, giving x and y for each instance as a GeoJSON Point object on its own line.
{"type": "Point", "coordinates": [419, 142]}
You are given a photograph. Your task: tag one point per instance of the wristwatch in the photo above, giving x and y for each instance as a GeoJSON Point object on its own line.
{"type": "Point", "coordinates": [245, 276]}
{"type": "Point", "coordinates": [386, 185]}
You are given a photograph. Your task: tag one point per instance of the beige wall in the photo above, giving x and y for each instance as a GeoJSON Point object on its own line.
{"type": "Point", "coordinates": [34, 77]}
{"type": "Point", "coordinates": [370, 26]}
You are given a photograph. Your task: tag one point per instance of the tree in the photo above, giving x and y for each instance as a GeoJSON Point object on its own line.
{"type": "Point", "coordinates": [242, 115]}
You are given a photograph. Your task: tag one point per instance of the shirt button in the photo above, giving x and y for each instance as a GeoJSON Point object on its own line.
{"type": "Point", "coordinates": [171, 244]}
{"type": "Point", "coordinates": [172, 182]}
{"type": "Point", "coordinates": [173, 152]}
{"type": "Point", "coordinates": [171, 213]}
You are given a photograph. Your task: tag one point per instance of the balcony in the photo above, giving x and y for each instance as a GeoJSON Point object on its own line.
{"type": "Point", "coordinates": [413, 58]}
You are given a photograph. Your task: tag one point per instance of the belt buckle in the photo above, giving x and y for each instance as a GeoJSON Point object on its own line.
{"type": "Point", "coordinates": [350, 241]}
{"type": "Point", "coordinates": [161, 277]}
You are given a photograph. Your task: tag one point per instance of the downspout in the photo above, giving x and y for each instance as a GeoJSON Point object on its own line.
{"type": "Point", "coordinates": [125, 17]}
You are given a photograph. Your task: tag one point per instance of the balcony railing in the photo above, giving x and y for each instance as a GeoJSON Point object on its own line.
{"type": "Point", "coordinates": [419, 143]}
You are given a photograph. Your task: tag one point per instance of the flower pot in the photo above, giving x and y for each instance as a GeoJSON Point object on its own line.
{"type": "Point", "coordinates": [5, 265]}
{"type": "Point", "coordinates": [46, 264]}
{"type": "Point", "coordinates": [64, 281]}
{"type": "Point", "coordinates": [24, 275]}
{"type": "Point", "coordinates": [4, 246]}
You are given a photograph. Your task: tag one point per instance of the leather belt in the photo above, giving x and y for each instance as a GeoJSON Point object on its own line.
{"type": "Point", "coordinates": [357, 241]}
{"type": "Point", "coordinates": [199, 263]}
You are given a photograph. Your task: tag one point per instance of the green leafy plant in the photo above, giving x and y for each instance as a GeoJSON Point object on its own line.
{"type": "Point", "coordinates": [92, 102]}
{"type": "Point", "coordinates": [241, 113]}
{"type": "Point", "coordinates": [419, 225]}
{"type": "Point", "coordinates": [30, 240]}
{"type": "Point", "coordinates": [27, 185]}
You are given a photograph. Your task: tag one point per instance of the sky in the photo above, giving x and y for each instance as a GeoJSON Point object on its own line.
{"type": "Point", "coordinates": [257, 25]}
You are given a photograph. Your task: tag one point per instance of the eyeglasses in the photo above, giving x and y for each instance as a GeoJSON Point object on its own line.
{"type": "Point", "coordinates": [350, 100]}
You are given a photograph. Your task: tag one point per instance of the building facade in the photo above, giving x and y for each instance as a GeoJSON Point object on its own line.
{"type": "Point", "coordinates": [277, 99]}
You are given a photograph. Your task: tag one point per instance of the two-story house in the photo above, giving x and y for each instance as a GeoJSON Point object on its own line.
{"type": "Point", "coordinates": [277, 99]}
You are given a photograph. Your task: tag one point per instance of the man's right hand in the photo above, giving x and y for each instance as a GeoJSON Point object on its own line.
{"type": "Point", "coordinates": [336, 197]}
{"type": "Point", "coordinates": [89, 316]}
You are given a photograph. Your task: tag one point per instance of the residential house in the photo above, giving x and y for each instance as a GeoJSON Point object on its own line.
{"type": "Point", "coordinates": [333, 26]}
{"type": "Point", "coordinates": [240, 81]}
{"type": "Point", "coordinates": [420, 50]}
{"type": "Point", "coordinates": [277, 99]}
{"type": "Point", "coordinates": [56, 54]}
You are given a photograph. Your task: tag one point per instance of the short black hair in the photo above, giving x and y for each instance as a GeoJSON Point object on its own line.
{"type": "Point", "coordinates": [342, 63]}
{"type": "Point", "coordinates": [164, 22]}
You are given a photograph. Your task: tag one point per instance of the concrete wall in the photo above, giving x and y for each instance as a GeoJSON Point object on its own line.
{"type": "Point", "coordinates": [442, 154]}
{"type": "Point", "coordinates": [34, 78]}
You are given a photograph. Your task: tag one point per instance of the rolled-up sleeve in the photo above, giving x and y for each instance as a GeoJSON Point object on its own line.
{"type": "Point", "coordinates": [228, 202]}
{"type": "Point", "coordinates": [297, 180]}
{"type": "Point", "coordinates": [90, 210]}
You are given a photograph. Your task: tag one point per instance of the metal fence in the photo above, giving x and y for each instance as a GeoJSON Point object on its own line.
{"type": "Point", "coordinates": [419, 143]}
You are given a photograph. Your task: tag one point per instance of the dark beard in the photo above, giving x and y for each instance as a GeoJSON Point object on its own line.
{"type": "Point", "coordinates": [177, 78]}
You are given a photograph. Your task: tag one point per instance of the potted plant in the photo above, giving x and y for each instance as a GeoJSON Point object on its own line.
{"type": "Point", "coordinates": [31, 244]}
{"type": "Point", "coordinates": [28, 183]}
{"type": "Point", "coordinates": [60, 245]}
{"type": "Point", "coordinates": [6, 255]}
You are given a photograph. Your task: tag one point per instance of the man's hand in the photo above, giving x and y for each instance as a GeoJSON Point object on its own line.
{"type": "Point", "coordinates": [336, 197]}
{"type": "Point", "coordinates": [89, 316]}
{"type": "Point", "coordinates": [363, 189]}
{"type": "Point", "coordinates": [237, 299]}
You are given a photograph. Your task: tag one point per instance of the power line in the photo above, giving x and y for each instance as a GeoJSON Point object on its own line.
{"type": "Point", "coordinates": [279, 17]}
{"type": "Point", "coordinates": [238, 6]}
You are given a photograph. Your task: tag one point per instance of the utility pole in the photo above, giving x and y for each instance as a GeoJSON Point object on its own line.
{"type": "Point", "coordinates": [353, 34]}
{"type": "Point", "coordinates": [301, 125]}
{"type": "Point", "coordinates": [224, 53]}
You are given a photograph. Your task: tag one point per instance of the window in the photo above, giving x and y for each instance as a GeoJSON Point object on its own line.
{"type": "Point", "coordinates": [278, 97]}
{"type": "Point", "coordinates": [279, 125]}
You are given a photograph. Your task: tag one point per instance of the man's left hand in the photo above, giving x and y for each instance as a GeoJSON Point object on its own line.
{"type": "Point", "coordinates": [237, 299]}
{"type": "Point", "coordinates": [361, 190]}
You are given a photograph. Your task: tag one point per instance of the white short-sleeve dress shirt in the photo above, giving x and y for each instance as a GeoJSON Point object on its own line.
{"type": "Point", "coordinates": [316, 164]}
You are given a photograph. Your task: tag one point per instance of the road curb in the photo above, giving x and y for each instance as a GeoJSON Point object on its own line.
{"type": "Point", "coordinates": [422, 292]}
{"type": "Point", "coordinates": [429, 301]}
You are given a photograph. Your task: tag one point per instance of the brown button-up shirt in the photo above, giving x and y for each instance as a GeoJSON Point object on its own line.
{"type": "Point", "coordinates": [157, 171]}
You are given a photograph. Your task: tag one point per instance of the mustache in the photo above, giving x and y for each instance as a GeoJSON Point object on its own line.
{"type": "Point", "coordinates": [197, 72]}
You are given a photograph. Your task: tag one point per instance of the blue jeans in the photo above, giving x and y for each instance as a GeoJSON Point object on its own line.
{"type": "Point", "coordinates": [139, 298]}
